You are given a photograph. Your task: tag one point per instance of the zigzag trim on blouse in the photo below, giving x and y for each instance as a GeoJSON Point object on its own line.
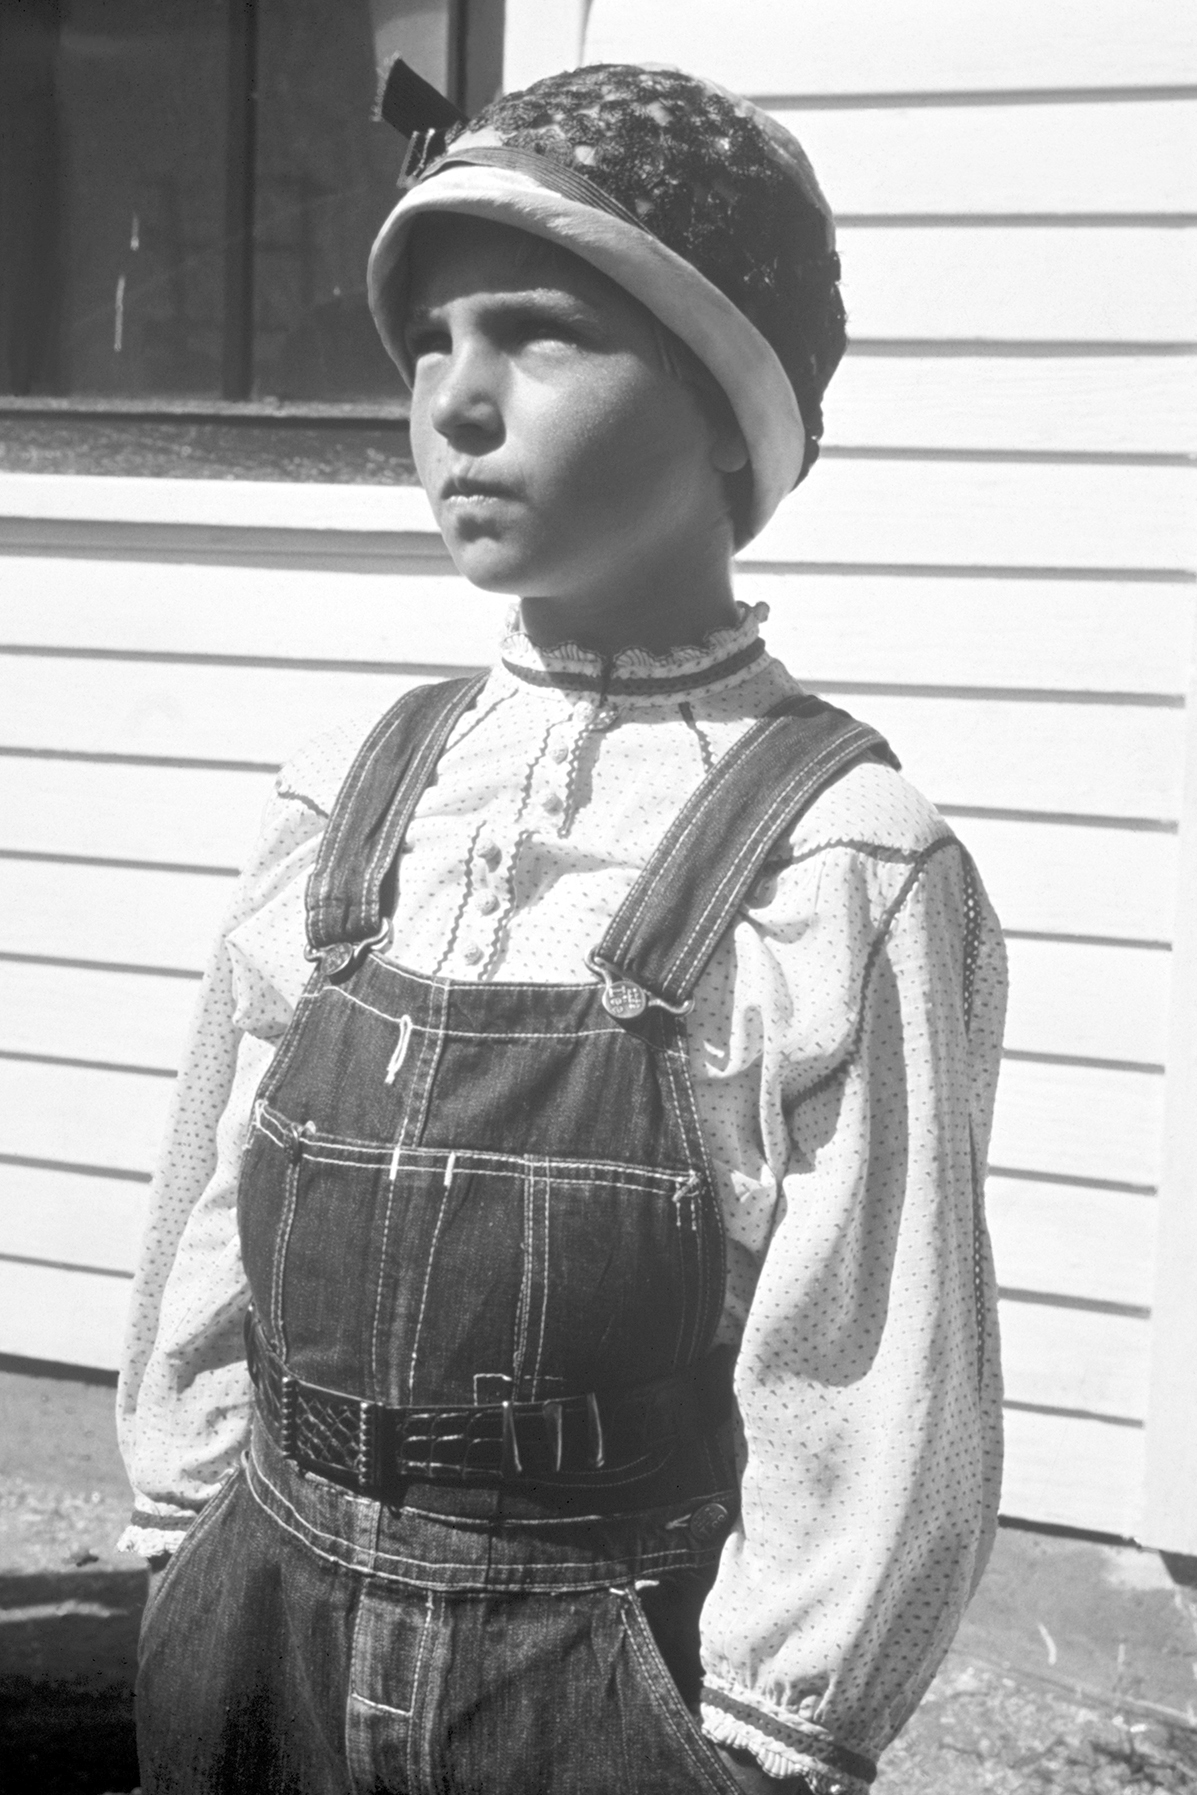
{"type": "Point", "coordinates": [643, 685]}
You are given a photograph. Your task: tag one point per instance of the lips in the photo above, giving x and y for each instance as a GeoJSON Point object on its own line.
{"type": "Point", "coordinates": [461, 488]}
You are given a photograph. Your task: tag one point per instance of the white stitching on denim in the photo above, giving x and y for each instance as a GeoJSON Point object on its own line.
{"type": "Point", "coordinates": [415, 1344]}
{"type": "Point", "coordinates": [791, 798]}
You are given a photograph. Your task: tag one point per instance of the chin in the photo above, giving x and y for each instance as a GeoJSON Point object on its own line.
{"type": "Point", "coordinates": [489, 572]}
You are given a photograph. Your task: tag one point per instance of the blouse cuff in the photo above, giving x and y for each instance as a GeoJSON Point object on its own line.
{"type": "Point", "coordinates": [155, 1530]}
{"type": "Point", "coordinates": [782, 1744]}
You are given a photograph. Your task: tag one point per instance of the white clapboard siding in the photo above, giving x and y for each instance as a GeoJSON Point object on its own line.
{"type": "Point", "coordinates": [919, 46]}
{"type": "Point", "coordinates": [1064, 635]}
{"type": "Point", "coordinates": [1079, 1122]}
{"type": "Point", "coordinates": [1075, 1359]}
{"type": "Point", "coordinates": [977, 514]}
{"type": "Point", "coordinates": [1013, 283]}
{"type": "Point", "coordinates": [1123, 759]}
{"type": "Point", "coordinates": [1068, 880]}
{"type": "Point", "coordinates": [253, 714]}
{"type": "Point", "coordinates": [113, 915]}
{"type": "Point", "coordinates": [115, 1018]}
{"type": "Point", "coordinates": [160, 815]}
{"type": "Point", "coordinates": [1089, 158]}
{"type": "Point", "coordinates": [78, 1116]}
{"type": "Point", "coordinates": [70, 1317]}
{"type": "Point", "coordinates": [417, 611]}
{"type": "Point", "coordinates": [1069, 1241]}
{"type": "Point", "coordinates": [1087, 404]}
{"type": "Point", "coordinates": [1065, 1472]}
{"type": "Point", "coordinates": [70, 1218]}
{"type": "Point", "coordinates": [1097, 1002]}
{"type": "Point", "coordinates": [1050, 636]}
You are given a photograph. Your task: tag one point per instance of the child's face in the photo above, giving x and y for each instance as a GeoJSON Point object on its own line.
{"type": "Point", "coordinates": [564, 461]}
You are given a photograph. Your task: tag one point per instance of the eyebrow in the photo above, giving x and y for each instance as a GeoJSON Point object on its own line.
{"type": "Point", "coordinates": [553, 299]}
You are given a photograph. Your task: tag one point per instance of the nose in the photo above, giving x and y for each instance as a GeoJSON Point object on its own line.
{"type": "Point", "coordinates": [466, 404]}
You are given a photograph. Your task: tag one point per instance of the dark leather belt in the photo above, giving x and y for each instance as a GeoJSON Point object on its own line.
{"type": "Point", "coordinates": [376, 1449]}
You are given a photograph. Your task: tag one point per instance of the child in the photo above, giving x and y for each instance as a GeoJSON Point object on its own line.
{"type": "Point", "coordinates": [653, 1025]}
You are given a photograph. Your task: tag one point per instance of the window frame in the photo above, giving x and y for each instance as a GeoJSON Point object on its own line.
{"type": "Point", "coordinates": [50, 433]}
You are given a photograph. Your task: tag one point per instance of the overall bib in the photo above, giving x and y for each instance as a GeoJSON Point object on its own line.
{"type": "Point", "coordinates": [491, 1467]}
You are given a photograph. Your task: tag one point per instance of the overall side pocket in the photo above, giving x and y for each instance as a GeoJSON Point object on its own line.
{"type": "Point", "coordinates": [200, 1528]}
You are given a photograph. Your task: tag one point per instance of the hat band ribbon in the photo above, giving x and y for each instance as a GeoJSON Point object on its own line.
{"type": "Point", "coordinates": [545, 170]}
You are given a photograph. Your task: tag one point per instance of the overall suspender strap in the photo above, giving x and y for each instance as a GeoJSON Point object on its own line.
{"type": "Point", "coordinates": [371, 816]}
{"type": "Point", "coordinates": [671, 921]}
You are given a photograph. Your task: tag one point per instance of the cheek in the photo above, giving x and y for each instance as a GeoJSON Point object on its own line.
{"type": "Point", "coordinates": [615, 439]}
{"type": "Point", "coordinates": [424, 438]}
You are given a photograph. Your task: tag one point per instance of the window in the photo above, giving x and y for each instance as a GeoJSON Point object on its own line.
{"type": "Point", "coordinates": [189, 188]}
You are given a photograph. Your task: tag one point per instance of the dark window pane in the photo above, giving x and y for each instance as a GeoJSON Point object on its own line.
{"type": "Point", "coordinates": [141, 108]}
{"type": "Point", "coordinates": [326, 175]}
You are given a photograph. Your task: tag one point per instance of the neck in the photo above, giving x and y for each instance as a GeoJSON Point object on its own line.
{"type": "Point", "coordinates": [663, 609]}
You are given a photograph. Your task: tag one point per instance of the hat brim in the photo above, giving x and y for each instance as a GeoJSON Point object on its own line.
{"type": "Point", "coordinates": [707, 321]}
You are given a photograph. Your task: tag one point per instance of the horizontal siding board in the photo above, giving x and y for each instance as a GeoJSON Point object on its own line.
{"type": "Point", "coordinates": [857, 47]}
{"type": "Point", "coordinates": [1075, 1359]}
{"type": "Point", "coordinates": [1090, 404]}
{"type": "Point", "coordinates": [112, 914]}
{"type": "Point", "coordinates": [1097, 1245]}
{"type": "Point", "coordinates": [258, 506]}
{"type": "Point", "coordinates": [986, 515]}
{"type": "Point", "coordinates": [1078, 1122]}
{"type": "Point", "coordinates": [1129, 157]}
{"type": "Point", "coordinates": [1063, 635]}
{"type": "Point", "coordinates": [1098, 1002]}
{"type": "Point", "coordinates": [1064, 1472]}
{"type": "Point", "coordinates": [1094, 759]}
{"type": "Point", "coordinates": [70, 1218]}
{"type": "Point", "coordinates": [1062, 879]}
{"type": "Point", "coordinates": [1068, 635]}
{"type": "Point", "coordinates": [223, 713]}
{"type": "Point", "coordinates": [75, 1116]}
{"type": "Point", "coordinates": [176, 816]}
{"type": "Point", "coordinates": [67, 1317]}
{"type": "Point", "coordinates": [1106, 759]}
{"type": "Point", "coordinates": [402, 614]}
{"type": "Point", "coordinates": [1045, 283]}
{"type": "Point", "coordinates": [117, 1018]}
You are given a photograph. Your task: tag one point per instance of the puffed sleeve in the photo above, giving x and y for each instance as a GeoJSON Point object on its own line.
{"type": "Point", "coordinates": [869, 998]}
{"type": "Point", "coordinates": [183, 1396]}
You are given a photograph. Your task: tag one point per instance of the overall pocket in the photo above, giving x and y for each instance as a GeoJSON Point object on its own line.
{"type": "Point", "coordinates": [201, 1528]}
{"type": "Point", "coordinates": [662, 1708]}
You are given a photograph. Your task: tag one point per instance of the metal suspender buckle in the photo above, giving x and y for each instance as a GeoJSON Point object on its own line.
{"type": "Point", "coordinates": [342, 955]}
{"type": "Point", "coordinates": [624, 999]}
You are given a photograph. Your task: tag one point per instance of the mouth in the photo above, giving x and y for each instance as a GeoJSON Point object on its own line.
{"type": "Point", "coordinates": [463, 489]}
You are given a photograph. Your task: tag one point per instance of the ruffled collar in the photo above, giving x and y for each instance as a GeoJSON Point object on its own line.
{"type": "Point", "coordinates": [636, 672]}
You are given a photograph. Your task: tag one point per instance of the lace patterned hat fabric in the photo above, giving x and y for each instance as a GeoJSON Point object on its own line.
{"type": "Point", "coordinates": [696, 202]}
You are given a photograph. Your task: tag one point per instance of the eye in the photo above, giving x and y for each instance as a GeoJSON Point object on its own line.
{"type": "Point", "coordinates": [426, 339]}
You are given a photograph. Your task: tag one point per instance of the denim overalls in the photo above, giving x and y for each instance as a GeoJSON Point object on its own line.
{"type": "Point", "coordinates": [491, 1469]}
